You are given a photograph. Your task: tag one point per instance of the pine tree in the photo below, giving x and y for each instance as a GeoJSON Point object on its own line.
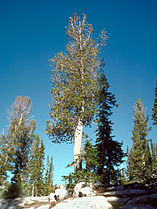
{"type": "Point", "coordinates": [20, 132]}
{"type": "Point", "coordinates": [36, 167]}
{"type": "Point", "coordinates": [4, 154]}
{"type": "Point", "coordinates": [139, 157]}
{"type": "Point", "coordinates": [154, 115]}
{"type": "Point", "coordinates": [89, 156]}
{"type": "Point", "coordinates": [154, 158]}
{"type": "Point", "coordinates": [15, 149]}
{"type": "Point", "coordinates": [74, 85]}
{"type": "Point", "coordinates": [49, 177]}
{"type": "Point", "coordinates": [110, 153]}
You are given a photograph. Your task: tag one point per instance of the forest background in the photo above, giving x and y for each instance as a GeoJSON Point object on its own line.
{"type": "Point", "coordinates": [32, 32]}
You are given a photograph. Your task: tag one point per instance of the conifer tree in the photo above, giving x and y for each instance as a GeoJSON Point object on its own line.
{"type": "Point", "coordinates": [154, 158]}
{"type": "Point", "coordinates": [74, 85]}
{"type": "Point", "coordinates": [110, 153]}
{"type": "Point", "coordinates": [4, 154]}
{"type": "Point", "coordinates": [89, 156]}
{"type": "Point", "coordinates": [20, 132]}
{"type": "Point", "coordinates": [49, 176]}
{"type": "Point", "coordinates": [36, 167]}
{"type": "Point", "coordinates": [154, 115]}
{"type": "Point", "coordinates": [15, 149]}
{"type": "Point", "coordinates": [139, 157]}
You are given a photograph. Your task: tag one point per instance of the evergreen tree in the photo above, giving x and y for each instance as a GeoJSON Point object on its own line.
{"type": "Point", "coordinates": [110, 154]}
{"type": "Point", "coordinates": [89, 156]}
{"type": "Point", "coordinates": [74, 85]}
{"type": "Point", "coordinates": [16, 145]}
{"type": "Point", "coordinates": [4, 154]}
{"type": "Point", "coordinates": [154, 115]}
{"type": "Point", "coordinates": [154, 158]}
{"type": "Point", "coordinates": [49, 177]}
{"type": "Point", "coordinates": [20, 132]}
{"type": "Point", "coordinates": [139, 157]}
{"type": "Point", "coordinates": [36, 167]}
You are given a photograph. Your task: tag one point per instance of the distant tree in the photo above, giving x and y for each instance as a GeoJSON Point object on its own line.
{"type": "Point", "coordinates": [154, 115]}
{"type": "Point", "coordinates": [74, 85]}
{"type": "Point", "coordinates": [154, 157]}
{"type": "Point", "coordinates": [36, 167]}
{"type": "Point", "coordinates": [49, 176]}
{"type": "Point", "coordinates": [15, 149]}
{"type": "Point", "coordinates": [109, 152]}
{"type": "Point", "coordinates": [4, 154]}
{"type": "Point", "coordinates": [139, 157]}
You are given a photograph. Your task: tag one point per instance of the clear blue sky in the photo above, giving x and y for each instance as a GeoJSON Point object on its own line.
{"type": "Point", "coordinates": [33, 31]}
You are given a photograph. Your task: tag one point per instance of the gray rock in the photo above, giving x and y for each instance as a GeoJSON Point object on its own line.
{"type": "Point", "coordinates": [80, 185]}
{"type": "Point", "coordinates": [3, 204]}
{"type": "Point", "coordinates": [137, 207]}
{"type": "Point", "coordinates": [97, 202]}
{"type": "Point", "coordinates": [123, 201]}
{"type": "Point", "coordinates": [61, 193]}
{"type": "Point", "coordinates": [108, 194]}
{"type": "Point", "coordinates": [111, 188]}
{"type": "Point", "coordinates": [112, 199]}
{"type": "Point", "coordinates": [51, 197]}
{"type": "Point", "coordinates": [134, 186]}
{"type": "Point", "coordinates": [12, 207]}
{"type": "Point", "coordinates": [145, 199]}
{"type": "Point", "coordinates": [28, 201]}
{"type": "Point", "coordinates": [130, 192]}
{"type": "Point", "coordinates": [83, 192]}
{"type": "Point", "coordinates": [44, 206]}
{"type": "Point", "coordinates": [119, 188]}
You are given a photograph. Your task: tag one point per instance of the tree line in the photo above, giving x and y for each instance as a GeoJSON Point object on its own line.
{"type": "Point", "coordinates": [22, 154]}
{"type": "Point", "coordinates": [80, 96]}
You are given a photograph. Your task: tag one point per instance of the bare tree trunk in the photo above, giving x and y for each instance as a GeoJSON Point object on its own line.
{"type": "Point", "coordinates": [33, 190]}
{"type": "Point", "coordinates": [79, 128]}
{"type": "Point", "coordinates": [77, 146]}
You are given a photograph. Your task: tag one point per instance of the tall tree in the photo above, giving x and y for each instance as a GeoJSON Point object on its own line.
{"type": "Point", "coordinates": [74, 85]}
{"type": "Point", "coordinates": [49, 176]}
{"type": "Point", "coordinates": [36, 167]}
{"type": "Point", "coordinates": [19, 138]}
{"type": "Point", "coordinates": [21, 133]}
{"type": "Point", "coordinates": [154, 115]}
{"type": "Point", "coordinates": [139, 157]}
{"type": "Point", "coordinates": [110, 153]}
{"type": "Point", "coordinates": [154, 157]}
{"type": "Point", "coordinates": [5, 154]}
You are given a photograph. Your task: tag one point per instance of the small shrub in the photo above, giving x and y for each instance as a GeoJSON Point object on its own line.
{"type": "Point", "coordinates": [13, 191]}
{"type": "Point", "coordinates": [80, 176]}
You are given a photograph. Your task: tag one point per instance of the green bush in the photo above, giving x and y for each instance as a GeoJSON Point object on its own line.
{"type": "Point", "coordinates": [13, 191]}
{"type": "Point", "coordinates": [80, 176]}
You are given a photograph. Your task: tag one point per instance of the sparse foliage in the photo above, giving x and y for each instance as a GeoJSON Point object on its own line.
{"type": "Point", "coordinates": [74, 85]}
{"type": "Point", "coordinates": [139, 157]}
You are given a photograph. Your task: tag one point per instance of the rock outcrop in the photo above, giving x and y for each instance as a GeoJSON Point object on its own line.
{"type": "Point", "coordinates": [61, 194]}
{"type": "Point", "coordinates": [133, 196]}
{"type": "Point", "coordinates": [83, 189]}
{"type": "Point", "coordinates": [97, 202]}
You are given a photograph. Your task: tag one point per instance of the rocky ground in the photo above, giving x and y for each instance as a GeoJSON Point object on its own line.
{"type": "Point", "coordinates": [121, 197]}
{"type": "Point", "coordinates": [133, 196]}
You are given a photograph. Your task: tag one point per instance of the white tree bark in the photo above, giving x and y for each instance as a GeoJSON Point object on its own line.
{"type": "Point", "coordinates": [77, 145]}
{"type": "Point", "coordinates": [79, 128]}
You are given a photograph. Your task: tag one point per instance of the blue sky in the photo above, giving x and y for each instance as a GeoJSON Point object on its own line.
{"type": "Point", "coordinates": [32, 32]}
